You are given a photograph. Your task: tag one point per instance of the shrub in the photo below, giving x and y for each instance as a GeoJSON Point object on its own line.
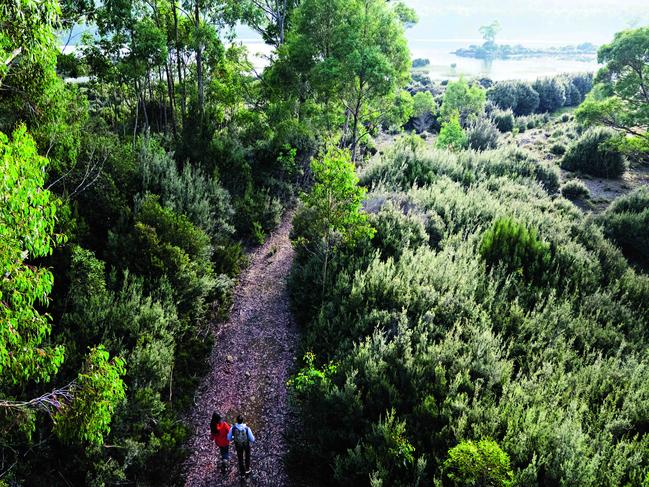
{"type": "Point", "coordinates": [517, 248]}
{"type": "Point", "coordinates": [410, 162]}
{"type": "Point", "coordinates": [583, 82]}
{"type": "Point", "coordinates": [504, 95]}
{"type": "Point", "coordinates": [516, 163]}
{"type": "Point", "coordinates": [481, 464]}
{"type": "Point", "coordinates": [467, 101]}
{"type": "Point", "coordinates": [517, 96]}
{"type": "Point", "coordinates": [565, 118]}
{"type": "Point", "coordinates": [190, 192]}
{"type": "Point", "coordinates": [396, 231]}
{"type": "Point", "coordinates": [573, 96]}
{"type": "Point", "coordinates": [527, 99]}
{"type": "Point", "coordinates": [593, 153]}
{"type": "Point", "coordinates": [423, 110]}
{"type": "Point", "coordinates": [552, 93]}
{"type": "Point", "coordinates": [504, 120]}
{"type": "Point", "coordinates": [452, 136]}
{"type": "Point", "coordinates": [626, 222]}
{"type": "Point", "coordinates": [482, 135]}
{"type": "Point", "coordinates": [558, 149]}
{"type": "Point", "coordinates": [574, 190]}
{"type": "Point", "coordinates": [164, 245]}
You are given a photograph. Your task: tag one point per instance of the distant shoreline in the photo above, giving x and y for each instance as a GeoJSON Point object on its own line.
{"type": "Point", "coordinates": [506, 51]}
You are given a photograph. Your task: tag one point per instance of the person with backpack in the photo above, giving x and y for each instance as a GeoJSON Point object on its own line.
{"type": "Point", "coordinates": [219, 431]}
{"type": "Point", "coordinates": [242, 437]}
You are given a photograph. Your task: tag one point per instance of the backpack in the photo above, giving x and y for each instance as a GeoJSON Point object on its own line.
{"type": "Point", "coordinates": [240, 437]}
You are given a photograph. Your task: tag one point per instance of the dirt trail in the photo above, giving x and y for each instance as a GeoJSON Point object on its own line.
{"type": "Point", "coordinates": [249, 367]}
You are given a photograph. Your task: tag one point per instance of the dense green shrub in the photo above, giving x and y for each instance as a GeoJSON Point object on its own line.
{"type": "Point", "coordinates": [166, 245]}
{"type": "Point", "coordinates": [517, 163]}
{"type": "Point", "coordinates": [517, 350]}
{"type": "Point", "coordinates": [452, 135]}
{"type": "Point", "coordinates": [626, 222]}
{"type": "Point", "coordinates": [594, 154]}
{"type": "Point", "coordinates": [583, 82]}
{"type": "Point", "coordinates": [527, 99]}
{"type": "Point", "coordinates": [574, 189]}
{"type": "Point", "coordinates": [552, 93]}
{"type": "Point", "coordinates": [517, 248]}
{"type": "Point", "coordinates": [482, 135]}
{"type": "Point", "coordinates": [409, 162]}
{"type": "Point", "coordinates": [517, 96]}
{"type": "Point", "coordinates": [504, 95]}
{"type": "Point", "coordinates": [504, 120]}
{"type": "Point", "coordinates": [396, 231]}
{"type": "Point", "coordinates": [190, 192]}
{"type": "Point", "coordinates": [557, 149]}
{"type": "Point", "coordinates": [481, 464]}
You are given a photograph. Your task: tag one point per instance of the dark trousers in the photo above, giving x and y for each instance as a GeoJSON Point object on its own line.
{"type": "Point", "coordinates": [243, 451]}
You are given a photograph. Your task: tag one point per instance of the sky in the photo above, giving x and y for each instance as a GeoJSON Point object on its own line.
{"type": "Point", "coordinates": [548, 21]}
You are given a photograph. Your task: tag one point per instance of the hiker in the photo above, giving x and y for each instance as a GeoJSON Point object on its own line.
{"type": "Point", "coordinates": [242, 437]}
{"type": "Point", "coordinates": [219, 431]}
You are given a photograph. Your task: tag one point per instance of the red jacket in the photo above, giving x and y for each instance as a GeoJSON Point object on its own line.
{"type": "Point", "coordinates": [221, 436]}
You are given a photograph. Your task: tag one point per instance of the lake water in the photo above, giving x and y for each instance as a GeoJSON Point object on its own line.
{"type": "Point", "coordinates": [439, 52]}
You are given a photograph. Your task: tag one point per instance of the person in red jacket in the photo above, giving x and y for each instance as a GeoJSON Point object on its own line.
{"type": "Point", "coordinates": [219, 430]}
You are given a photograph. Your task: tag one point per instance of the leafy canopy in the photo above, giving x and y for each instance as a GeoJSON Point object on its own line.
{"type": "Point", "coordinates": [27, 220]}
{"type": "Point", "coordinates": [620, 98]}
{"type": "Point", "coordinates": [336, 198]}
{"type": "Point", "coordinates": [464, 100]}
{"type": "Point", "coordinates": [471, 464]}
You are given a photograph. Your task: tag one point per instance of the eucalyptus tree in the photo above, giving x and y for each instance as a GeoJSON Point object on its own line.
{"type": "Point", "coordinates": [347, 56]}
{"type": "Point", "coordinates": [620, 98]}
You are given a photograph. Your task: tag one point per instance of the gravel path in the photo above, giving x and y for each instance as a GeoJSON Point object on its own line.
{"type": "Point", "coordinates": [250, 364]}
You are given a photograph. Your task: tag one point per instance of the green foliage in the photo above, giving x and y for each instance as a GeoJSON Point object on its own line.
{"type": "Point", "coordinates": [396, 231]}
{"type": "Point", "coordinates": [334, 203]}
{"type": "Point", "coordinates": [402, 111]}
{"type": "Point", "coordinates": [165, 244]}
{"type": "Point", "coordinates": [517, 96]}
{"type": "Point", "coordinates": [574, 189]}
{"type": "Point", "coordinates": [189, 192]}
{"type": "Point", "coordinates": [473, 464]}
{"type": "Point", "coordinates": [517, 248]}
{"type": "Point", "coordinates": [424, 108]}
{"type": "Point", "coordinates": [27, 32]}
{"type": "Point", "coordinates": [594, 153]}
{"type": "Point", "coordinates": [464, 101]}
{"type": "Point", "coordinates": [557, 149]}
{"type": "Point", "coordinates": [452, 135]}
{"type": "Point", "coordinates": [619, 99]}
{"type": "Point", "coordinates": [310, 377]}
{"type": "Point", "coordinates": [552, 93]}
{"type": "Point", "coordinates": [626, 222]}
{"type": "Point", "coordinates": [539, 343]}
{"type": "Point", "coordinates": [28, 215]}
{"type": "Point", "coordinates": [409, 162]}
{"type": "Point", "coordinates": [98, 391]}
{"type": "Point", "coordinates": [504, 120]}
{"type": "Point", "coordinates": [350, 54]}
{"type": "Point", "coordinates": [490, 31]}
{"type": "Point", "coordinates": [482, 135]}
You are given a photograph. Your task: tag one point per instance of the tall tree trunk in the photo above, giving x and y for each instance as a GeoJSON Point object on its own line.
{"type": "Point", "coordinates": [282, 21]}
{"type": "Point", "coordinates": [355, 115]}
{"type": "Point", "coordinates": [199, 59]}
{"type": "Point", "coordinates": [179, 65]}
{"type": "Point", "coordinates": [172, 97]}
